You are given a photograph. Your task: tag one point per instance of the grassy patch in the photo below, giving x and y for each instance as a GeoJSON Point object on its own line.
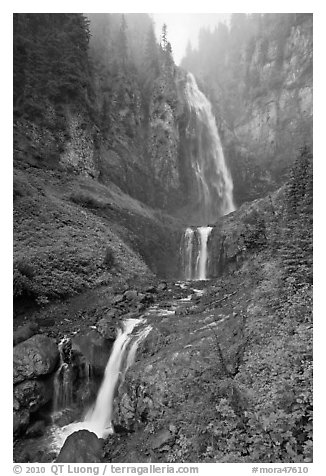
{"type": "Point", "coordinates": [61, 248]}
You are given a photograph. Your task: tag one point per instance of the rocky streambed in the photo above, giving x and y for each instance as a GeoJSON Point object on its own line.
{"type": "Point", "coordinates": [151, 403]}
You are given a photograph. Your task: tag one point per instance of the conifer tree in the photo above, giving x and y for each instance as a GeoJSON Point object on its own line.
{"type": "Point", "coordinates": [50, 61]}
{"type": "Point", "coordinates": [297, 241]}
{"type": "Point", "coordinates": [151, 58]}
{"type": "Point", "coordinates": [123, 42]}
{"type": "Point", "coordinates": [164, 40]}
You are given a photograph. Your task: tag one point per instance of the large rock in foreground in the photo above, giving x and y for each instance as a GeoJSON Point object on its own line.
{"type": "Point", "coordinates": [25, 332]}
{"type": "Point", "coordinates": [81, 446]}
{"type": "Point", "coordinates": [35, 357]}
{"type": "Point", "coordinates": [29, 396]}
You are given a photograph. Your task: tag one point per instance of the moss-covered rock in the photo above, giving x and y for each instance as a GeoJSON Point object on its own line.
{"type": "Point", "coordinates": [35, 357]}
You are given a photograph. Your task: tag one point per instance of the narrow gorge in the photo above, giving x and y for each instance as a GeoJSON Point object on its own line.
{"type": "Point", "coordinates": [162, 283]}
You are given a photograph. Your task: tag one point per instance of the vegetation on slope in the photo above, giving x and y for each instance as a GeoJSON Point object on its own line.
{"type": "Point", "coordinates": [268, 414]}
{"type": "Point", "coordinates": [61, 248]}
{"type": "Point", "coordinates": [77, 117]}
{"type": "Point", "coordinates": [72, 233]}
{"type": "Point", "coordinates": [232, 376]}
{"type": "Point", "coordinates": [50, 62]}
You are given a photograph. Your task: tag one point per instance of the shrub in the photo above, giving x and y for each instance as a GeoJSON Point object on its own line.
{"type": "Point", "coordinates": [23, 279]}
{"type": "Point", "coordinates": [86, 200]}
{"type": "Point", "coordinates": [109, 260]}
{"type": "Point", "coordinates": [42, 300]}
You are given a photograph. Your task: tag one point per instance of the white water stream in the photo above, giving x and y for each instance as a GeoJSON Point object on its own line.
{"type": "Point", "coordinates": [98, 418]}
{"type": "Point", "coordinates": [204, 232]}
{"type": "Point", "coordinates": [213, 178]}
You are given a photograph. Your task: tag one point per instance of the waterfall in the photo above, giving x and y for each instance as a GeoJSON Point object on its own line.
{"type": "Point", "coordinates": [98, 418]}
{"type": "Point", "coordinates": [212, 178]}
{"type": "Point", "coordinates": [214, 181]}
{"type": "Point", "coordinates": [188, 247]}
{"type": "Point", "coordinates": [62, 380]}
{"type": "Point", "coordinates": [134, 347]}
{"type": "Point", "coordinates": [204, 232]}
{"type": "Point", "coordinates": [195, 246]}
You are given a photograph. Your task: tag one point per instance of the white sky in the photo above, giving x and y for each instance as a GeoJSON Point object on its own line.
{"type": "Point", "coordinates": [182, 27]}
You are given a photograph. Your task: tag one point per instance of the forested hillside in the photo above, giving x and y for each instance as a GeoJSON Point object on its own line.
{"type": "Point", "coordinates": [80, 114]}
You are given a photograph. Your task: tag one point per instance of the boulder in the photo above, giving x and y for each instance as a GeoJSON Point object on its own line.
{"type": "Point", "coordinates": [162, 287]}
{"type": "Point", "coordinates": [81, 446]}
{"type": "Point", "coordinates": [35, 357]}
{"type": "Point", "coordinates": [112, 314]}
{"type": "Point", "coordinates": [32, 394]}
{"type": "Point", "coordinates": [147, 298]}
{"type": "Point", "coordinates": [151, 289]}
{"type": "Point", "coordinates": [182, 311]}
{"type": "Point", "coordinates": [29, 396]}
{"type": "Point", "coordinates": [117, 299]}
{"type": "Point", "coordinates": [106, 329]}
{"type": "Point", "coordinates": [197, 309]}
{"type": "Point", "coordinates": [161, 439]}
{"type": "Point", "coordinates": [25, 332]}
{"type": "Point", "coordinates": [20, 420]}
{"type": "Point", "coordinates": [131, 295]}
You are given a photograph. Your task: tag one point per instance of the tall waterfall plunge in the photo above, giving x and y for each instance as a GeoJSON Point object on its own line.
{"type": "Point", "coordinates": [212, 177]}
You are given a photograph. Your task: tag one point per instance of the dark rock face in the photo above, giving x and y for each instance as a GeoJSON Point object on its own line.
{"type": "Point", "coordinates": [33, 393]}
{"type": "Point", "coordinates": [242, 233]}
{"type": "Point", "coordinates": [35, 357]}
{"type": "Point", "coordinates": [29, 396]}
{"type": "Point", "coordinates": [106, 328]}
{"type": "Point", "coordinates": [276, 122]}
{"type": "Point", "coordinates": [94, 347]}
{"type": "Point", "coordinates": [81, 447]}
{"type": "Point", "coordinates": [20, 420]}
{"type": "Point", "coordinates": [36, 429]}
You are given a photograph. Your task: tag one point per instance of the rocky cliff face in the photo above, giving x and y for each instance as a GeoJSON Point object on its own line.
{"type": "Point", "coordinates": [277, 119]}
{"type": "Point", "coordinates": [260, 85]}
{"type": "Point", "coordinates": [240, 235]}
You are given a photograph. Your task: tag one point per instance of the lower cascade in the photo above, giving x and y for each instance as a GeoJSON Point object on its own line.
{"type": "Point", "coordinates": [204, 232]}
{"type": "Point", "coordinates": [99, 417]}
{"type": "Point", "coordinates": [195, 252]}
{"type": "Point", "coordinates": [62, 383]}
